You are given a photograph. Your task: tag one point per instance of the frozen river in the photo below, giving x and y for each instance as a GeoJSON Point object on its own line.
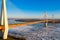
{"type": "Point", "coordinates": [37, 32]}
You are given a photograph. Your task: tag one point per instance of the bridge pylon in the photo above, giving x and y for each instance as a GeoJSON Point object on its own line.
{"type": "Point", "coordinates": [4, 19]}
{"type": "Point", "coordinates": [53, 20]}
{"type": "Point", "coordinates": [45, 19]}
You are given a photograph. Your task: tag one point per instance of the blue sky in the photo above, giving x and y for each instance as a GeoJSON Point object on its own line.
{"type": "Point", "coordinates": [32, 8]}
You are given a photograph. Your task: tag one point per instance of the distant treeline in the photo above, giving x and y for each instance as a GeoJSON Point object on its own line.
{"type": "Point", "coordinates": [27, 20]}
{"type": "Point", "coordinates": [32, 20]}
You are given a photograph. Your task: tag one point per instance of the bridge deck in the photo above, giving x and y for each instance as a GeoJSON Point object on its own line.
{"type": "Point", "coordinates": [21, 24]}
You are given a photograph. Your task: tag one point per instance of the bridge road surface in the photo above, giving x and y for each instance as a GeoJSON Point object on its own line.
{"type": "Point", "coordinates": [21, 24]}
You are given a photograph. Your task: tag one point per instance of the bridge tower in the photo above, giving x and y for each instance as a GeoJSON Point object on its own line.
{"type": "Point", "coordinates": [45, 18]}
{"type": "Point", "coordinates": [53, 19]}
{"type": "Point", "coordinates": [53, 16]}
{"type": "Point", "coordinates": [4, 19]}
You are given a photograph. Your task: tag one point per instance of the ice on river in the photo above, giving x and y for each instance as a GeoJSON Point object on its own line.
{"type": "Point", "coordinates": [36, 33]}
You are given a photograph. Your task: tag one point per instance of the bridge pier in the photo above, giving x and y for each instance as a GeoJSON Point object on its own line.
{"type": "Point", "coordinates": [4, 20]}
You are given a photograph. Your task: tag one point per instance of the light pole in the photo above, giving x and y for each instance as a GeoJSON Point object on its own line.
{"type": "Point", "coordinates": [4, 19]}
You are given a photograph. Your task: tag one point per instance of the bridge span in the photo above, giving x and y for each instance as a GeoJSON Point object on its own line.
{"type": "Point", "coordinates": [23, 24]}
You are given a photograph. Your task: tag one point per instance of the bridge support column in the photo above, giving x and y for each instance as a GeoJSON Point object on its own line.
{"type": "Point", "coordinates": [4, 20]}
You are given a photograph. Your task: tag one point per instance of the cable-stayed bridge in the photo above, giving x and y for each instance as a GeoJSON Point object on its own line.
{"type": "Point", "coordinates": [4, 21]}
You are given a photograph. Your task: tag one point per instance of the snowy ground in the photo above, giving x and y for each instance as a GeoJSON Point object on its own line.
{"type": "Point", "coordinates": [36, 33]}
